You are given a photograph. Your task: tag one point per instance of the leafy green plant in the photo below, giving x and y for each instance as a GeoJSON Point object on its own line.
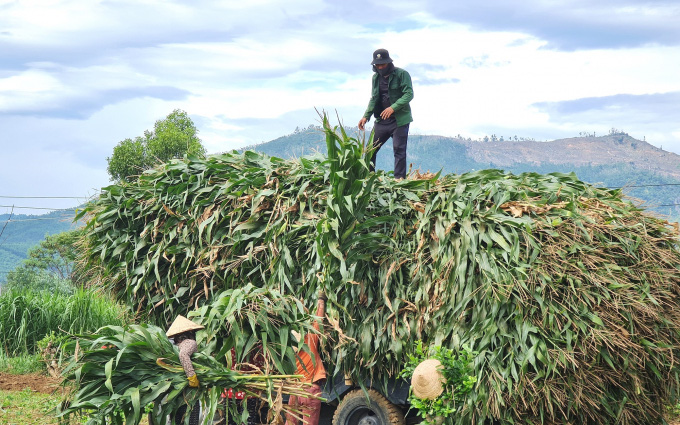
{"type": "Point", "coordinates": [52, 353]}
{"type": "Point", "coordinates": [55, 339]}
{"type": "Point", "coordinates": [459, 379]}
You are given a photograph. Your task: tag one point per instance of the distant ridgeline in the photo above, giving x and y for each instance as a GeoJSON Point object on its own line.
{"type": "Point", "coordinates": [25, 231]}
{"type": "Point", "coordinates": [615, 160]}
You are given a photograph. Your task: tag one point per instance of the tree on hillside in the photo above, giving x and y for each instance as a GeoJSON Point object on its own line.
{"type": "Point", "coordinates": [50, 265]}
{"type": "Point", "coordinates": [172, 137]}
{"type": "Point", "coordinates": [23, 278]}
{"type": "Point", "coordinates": [56, 254]}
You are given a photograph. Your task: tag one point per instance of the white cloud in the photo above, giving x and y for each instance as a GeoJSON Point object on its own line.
{"type": "Point", "coordinates": [78, 76]}
{"type": "Point", "coordinates": [501, 75]}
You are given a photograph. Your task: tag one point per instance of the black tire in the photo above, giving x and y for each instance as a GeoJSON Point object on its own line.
{"type": "Point", "coordinates": [357, 409]}
{"type": "Point", "coordinates": [194, 419]}
{"type": "Point", "coordinates": [254, 412]}
{"type": "Point", "coordinates": [194, 416]}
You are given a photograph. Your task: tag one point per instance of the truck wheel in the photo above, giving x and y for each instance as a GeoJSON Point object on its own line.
{"type": "Point", "coordinates": [357, 409]}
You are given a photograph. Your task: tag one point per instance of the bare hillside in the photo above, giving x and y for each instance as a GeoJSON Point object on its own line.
{"type": "Point", "coordinates": [580, 151]}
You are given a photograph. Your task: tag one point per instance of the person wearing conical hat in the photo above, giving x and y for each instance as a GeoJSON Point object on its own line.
{"type": "Point", "coordinates": [428, 381]}
{"type": "Point", "coordinates": [183, 332]}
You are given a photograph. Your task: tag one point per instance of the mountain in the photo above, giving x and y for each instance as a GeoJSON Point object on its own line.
{"type": "Point", "coordinates": [616, 160]}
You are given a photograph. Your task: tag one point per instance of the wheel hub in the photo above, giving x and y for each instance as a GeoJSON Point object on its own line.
{"type": "Point", "coordinates": [369, 420]}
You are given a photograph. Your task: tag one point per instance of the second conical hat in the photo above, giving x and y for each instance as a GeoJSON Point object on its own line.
{"type": "Point", "coordinates": [427, 381]}
{"type": "Point", "coordinates": [180, 325]}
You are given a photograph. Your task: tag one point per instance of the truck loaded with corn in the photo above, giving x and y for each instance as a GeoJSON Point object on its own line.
{"type": "Point", "coordinates": [567, 294]}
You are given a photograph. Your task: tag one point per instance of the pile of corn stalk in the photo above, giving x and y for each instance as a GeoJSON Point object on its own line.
{"type": "Point", "coordinates": [119, 372]}
{"type": "Point", "coordinates": [568, 292]}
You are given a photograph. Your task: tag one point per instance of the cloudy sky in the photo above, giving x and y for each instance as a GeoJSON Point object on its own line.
{"type": "Point", "coordinates": [78, 76]}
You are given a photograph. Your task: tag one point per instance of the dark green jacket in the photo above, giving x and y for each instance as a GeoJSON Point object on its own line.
{"type": "Point", "coordinates": [401, 93]}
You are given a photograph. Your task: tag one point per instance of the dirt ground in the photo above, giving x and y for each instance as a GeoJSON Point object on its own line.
{"type": "Point", "coordinates": [35, 381]}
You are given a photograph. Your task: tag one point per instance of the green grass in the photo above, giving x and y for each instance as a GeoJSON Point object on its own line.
{"type": "Point", "coordinates": [22, 364]}
{"type": "Point", "coordinates": [26, 316]}
{"type": "Point", "coordinates": [28, 407]}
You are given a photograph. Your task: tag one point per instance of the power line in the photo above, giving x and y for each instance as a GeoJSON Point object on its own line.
{"type": "Point", "coordinates": [38, 208]}
{"type": "Point", "coordinates": [3, 227]}
{"type": "Point", "coordinates": [46, 218]}
{"type": "Point", "coordinates": [646, 185]}
{"type": "Point", "coordinates": [45, 197]}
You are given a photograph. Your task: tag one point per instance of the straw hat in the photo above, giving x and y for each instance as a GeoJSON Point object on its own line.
{"type": "Point", "coordinates": [181, 325]}
{"type": "Point", "coordinates": [427, 380]}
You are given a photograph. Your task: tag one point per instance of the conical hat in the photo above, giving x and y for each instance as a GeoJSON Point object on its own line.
{"type": "Point", "coordinates": [180, 325]}
{"type": "Point", "coordinates": [427, 381]}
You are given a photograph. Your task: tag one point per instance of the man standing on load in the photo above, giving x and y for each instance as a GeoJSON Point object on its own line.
{"type": "Point", "coordinates": [391, 93]}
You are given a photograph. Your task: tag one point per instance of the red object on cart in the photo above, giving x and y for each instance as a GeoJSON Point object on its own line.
{"type": "Point", "coordinates": [229, 393]}
{"type": "Point", "coordinates": [257, 359]}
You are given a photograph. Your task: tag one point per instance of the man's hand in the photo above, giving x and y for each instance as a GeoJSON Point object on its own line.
{"type": "Point", "coordinates": [387, 113]}
{"type": "Point", "coordinates": [321, 304]}
{"type": "Point", "coordinates": [362, 122]}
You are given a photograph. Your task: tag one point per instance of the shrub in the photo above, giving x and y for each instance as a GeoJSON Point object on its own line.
{"type": "Point", "coordinates": [38, 280]}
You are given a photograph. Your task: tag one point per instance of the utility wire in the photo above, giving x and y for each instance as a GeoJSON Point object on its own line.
{"type": "Point", "coordinates": [45, 197]}
{"type": "Point", "coordinates": [3, 227]}
{"type": "Point", "coordinates": [645, 185]}
{"type": "Point", "coordinates": [38, 208]}
{"type": "Point", "coordinates": [40, 219]}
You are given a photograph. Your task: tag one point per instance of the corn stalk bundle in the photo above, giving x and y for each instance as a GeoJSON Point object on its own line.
{"type": "Point", "coordinates": [255, 324]}
{"type": "Point", "coordinates": [119, 371]}
{"type": "Point", "coordinates": [568, 292]}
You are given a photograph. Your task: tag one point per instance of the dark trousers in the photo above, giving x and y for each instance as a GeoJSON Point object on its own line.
{"type": "Point", "coordinates": [399, 136]}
